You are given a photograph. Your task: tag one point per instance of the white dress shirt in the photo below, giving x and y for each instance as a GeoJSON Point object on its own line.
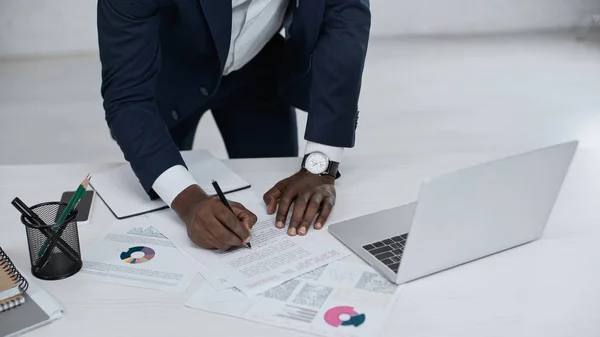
{"type": "Point", "coordinates": [254, 23]}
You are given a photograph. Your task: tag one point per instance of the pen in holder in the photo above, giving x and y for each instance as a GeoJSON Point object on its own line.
{"type": "Point", "coordinates": [54, 248]}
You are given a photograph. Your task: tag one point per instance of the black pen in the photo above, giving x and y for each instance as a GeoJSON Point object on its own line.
{"type": "Point", "coordinates": [224, 201]}
{"type": "Point", "coordinates": [28, 213]}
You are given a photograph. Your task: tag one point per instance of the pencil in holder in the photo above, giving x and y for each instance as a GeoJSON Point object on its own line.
{"type": "Point", "coordinates": [54, 249]}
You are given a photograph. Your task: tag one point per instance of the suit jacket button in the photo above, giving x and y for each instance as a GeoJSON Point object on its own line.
{"type": "Point", "coordinates": [175, 115]}
{"type": "Point", "coordinates": [203, 91]}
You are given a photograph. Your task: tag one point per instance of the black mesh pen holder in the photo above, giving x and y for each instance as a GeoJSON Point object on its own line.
{"type": "Point", "coordinates": [54, 249]}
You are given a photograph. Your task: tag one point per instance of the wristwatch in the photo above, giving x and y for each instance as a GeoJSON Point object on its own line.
{"type": "Point", "coordinates": [318, 163]}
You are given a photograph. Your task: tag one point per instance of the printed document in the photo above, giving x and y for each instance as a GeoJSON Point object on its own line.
{"type": "Point", "coordinates": [216, 281]}
{"type": "Point", "coordinates": [273, 259]}
{"type": "Point", "coordinates": [134, 253]}
{"type": "Point", "coordinates": [341, 299]}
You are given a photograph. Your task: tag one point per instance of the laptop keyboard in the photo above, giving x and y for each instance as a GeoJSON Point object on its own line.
{"type": "Point", "coordinates": [388, 251]}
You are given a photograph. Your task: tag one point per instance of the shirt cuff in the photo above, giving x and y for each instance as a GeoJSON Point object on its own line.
{"type": "Point", "coordinates": [172, 182]}
{"type": "Point", "coordinates": [332, 152]}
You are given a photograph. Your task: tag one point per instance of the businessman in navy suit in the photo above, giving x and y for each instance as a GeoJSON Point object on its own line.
{"type": "Point", "coordinates": [166, 62]}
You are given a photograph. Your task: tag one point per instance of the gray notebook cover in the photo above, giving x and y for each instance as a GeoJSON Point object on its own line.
{"type": "Point", "coordinates": [22, 317]}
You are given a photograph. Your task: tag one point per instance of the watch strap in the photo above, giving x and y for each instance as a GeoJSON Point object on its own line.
{"type": "Point", "coordinates": [332, 169]}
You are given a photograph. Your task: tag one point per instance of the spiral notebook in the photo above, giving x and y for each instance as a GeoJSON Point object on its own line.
{"type": "Point", "coordinates": [29, 309]}
{"type": "Point", "coordinates": [12, 284]}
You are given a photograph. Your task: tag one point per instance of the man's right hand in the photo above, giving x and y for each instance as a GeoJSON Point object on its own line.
{"type": "Point", "coordinates": [210, 224]}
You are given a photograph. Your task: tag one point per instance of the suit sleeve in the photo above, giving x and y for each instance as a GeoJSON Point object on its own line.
{"type": "Point", "coordinates": [337, 66]}
{"type": "Point", "coordinates": [131, 58]}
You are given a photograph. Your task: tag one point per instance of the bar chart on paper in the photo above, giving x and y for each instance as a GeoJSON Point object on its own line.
{"type": "Point", "coordinates": [298, 313]}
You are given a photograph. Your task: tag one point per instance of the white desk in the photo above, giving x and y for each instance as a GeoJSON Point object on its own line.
{"type": "Point", "coordinates": [547, 288]}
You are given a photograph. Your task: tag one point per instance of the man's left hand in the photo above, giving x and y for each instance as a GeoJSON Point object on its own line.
{"type": "Point", "coordinates": [311, 195]}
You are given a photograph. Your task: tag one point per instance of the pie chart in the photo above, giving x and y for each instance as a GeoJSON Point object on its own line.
{"type": "Point", "coordinates": [333, 317]}
{"type": "Point", "coordinates": [147, 251]}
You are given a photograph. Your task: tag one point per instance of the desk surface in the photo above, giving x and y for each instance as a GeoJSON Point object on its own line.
{"type": "Point", "coordinates": [550, 287]}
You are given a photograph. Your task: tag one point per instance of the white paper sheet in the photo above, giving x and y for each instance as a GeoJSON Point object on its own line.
{"type": "Point", "coordinates": [274, 258]}
{"type": "Point", "coordinates": [134, 253]}
{"type": "Point", "coordinates": [216, 281]}
{"type": "Point", "coordinates": [122, 193]}
{"type": "Point", "coordinates": [314, 302]}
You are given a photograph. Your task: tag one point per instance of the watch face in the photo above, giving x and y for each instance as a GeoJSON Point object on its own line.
{"type": "Point", "coordinates": [316, 163]}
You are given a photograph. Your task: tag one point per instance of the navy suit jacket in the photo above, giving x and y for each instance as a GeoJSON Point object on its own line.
{"type": "Point", "coordinates": [163, 55]}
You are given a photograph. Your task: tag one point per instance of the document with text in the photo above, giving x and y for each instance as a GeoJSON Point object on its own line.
{"type": "Point", "coordinates": [216, 281]}
{"type": "Point", "coordinates": [273, 259]}
{"type": "Point", "coordinates": [134, 253]}
{"type": "Point", "coordinates": [341, 299]}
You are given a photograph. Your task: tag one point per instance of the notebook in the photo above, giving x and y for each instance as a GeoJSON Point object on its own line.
{"type": "Point", "coordinates": [33, 308]}
{"type": "Point", "coordinates": [12, 284]}
{"type": "Point", "coordinates": [8, 287]}
{"type": "Point", "coordinates": [11, 302]}
{"type": "Point", "coordinates": [123, 194]}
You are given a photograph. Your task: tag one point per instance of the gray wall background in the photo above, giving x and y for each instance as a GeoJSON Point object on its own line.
{"type": "Point", "coordinates": [67, 26]}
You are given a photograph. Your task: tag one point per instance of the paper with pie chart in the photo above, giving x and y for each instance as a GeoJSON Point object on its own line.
{"type": "Point", "coordinates": [134, 253]}
{"type": "Point", "coordinates": [341, 299]}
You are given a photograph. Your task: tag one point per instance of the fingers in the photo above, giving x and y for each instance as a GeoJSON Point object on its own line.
{"type": "Point", "coordinates": [222, 234]}
{"type": "Point", "coordinates": [228, 228]}
{"type": "Point", "coordinates": [270, 198]}
{"type": "Point", "coordinates": [300, 204]}
{"type": "Point", "coordinates": [311, 211]}
{"type": "Point", "coordinates": [284, 207]}
{"type": "Point", "coordinates": [248, 218]}
{"type": "Point", "coordinates": [326, 207]}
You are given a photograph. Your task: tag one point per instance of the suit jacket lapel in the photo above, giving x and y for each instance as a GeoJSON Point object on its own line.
{"type": "Point", "coordinates": [287, 19]}
{"type": "Point", "coordinates": [218, 16]}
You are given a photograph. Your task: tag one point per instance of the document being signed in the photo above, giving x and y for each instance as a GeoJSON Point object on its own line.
{"type": "Point", "coordinates": [273, 259]}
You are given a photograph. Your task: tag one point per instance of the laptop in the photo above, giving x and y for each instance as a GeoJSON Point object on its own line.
{"type": "Point", "coordinates": [462, 216]}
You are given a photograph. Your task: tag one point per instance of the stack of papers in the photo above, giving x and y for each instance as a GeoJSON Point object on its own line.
{"type": "Point", "coordinates": [291, 282]}
{"type": "Point", "coordinates": [273, 259]}
{"type": "Point", "coordinates": [341, 299]}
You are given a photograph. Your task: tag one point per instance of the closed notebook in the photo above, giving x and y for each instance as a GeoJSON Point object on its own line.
{"type": "Point", "coordinates": [30, 309]}
{"type": "Point", "coordinates": [23, 318]}
{"type": "Point", "coordinates": [12, 284]}
{"type": "Point", "coordinates": [12, 302]}
{"type": "Point", "coordinates": [8, 287]}
{"type": "Point", "coordinates": [122, 192]}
